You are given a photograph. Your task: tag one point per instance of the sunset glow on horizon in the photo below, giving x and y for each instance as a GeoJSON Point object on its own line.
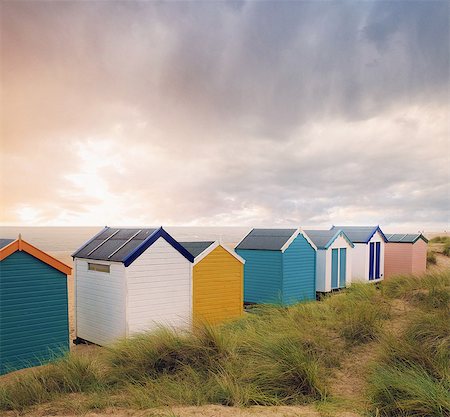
{"type": "Point", "coordinates": [225, 113]}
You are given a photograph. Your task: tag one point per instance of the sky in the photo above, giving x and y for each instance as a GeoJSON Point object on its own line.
{"type": "Point", "coordinates": [234, 113]}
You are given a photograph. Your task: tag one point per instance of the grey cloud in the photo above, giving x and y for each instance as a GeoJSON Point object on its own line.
{"type": "Point", "coordinates": [224, 92]}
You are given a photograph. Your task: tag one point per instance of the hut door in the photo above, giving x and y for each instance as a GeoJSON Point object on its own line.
{"type": "Point", "coordinates": [371, 260]}
{"type": "Point", "coordinates": [377, 259]}
{"type": "Point", "coordinates": [334, 268]}
{"type": "Point", "coordinates": [342, 267]}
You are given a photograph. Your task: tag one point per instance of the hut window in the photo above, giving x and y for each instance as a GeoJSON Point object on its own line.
{"type": "Point", "coordinates": [98, 267]}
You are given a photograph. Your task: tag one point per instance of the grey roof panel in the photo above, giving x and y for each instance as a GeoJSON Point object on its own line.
{"type": "Point", "coordinates": [4, 242]}
{"type": "Point", "coordinates": [266, 239]}
{"type": "Point", "coordinates": [321, 237]}
{"type": "Point", "coordinates": [405, 238]}
{"type": "Point", "coordinates": [113, 244]}
{"type": "Point", "coordinates": [357, 234]}
{"type": "Point", "coordinates": [196, 248]}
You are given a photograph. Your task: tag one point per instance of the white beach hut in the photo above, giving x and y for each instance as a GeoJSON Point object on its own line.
{"type": "Point", "coordinates": [368, 253]}
{"type": "Point", "coordinates": [333, 259]}
{"type": "Point", "coordinates": [130, 280]}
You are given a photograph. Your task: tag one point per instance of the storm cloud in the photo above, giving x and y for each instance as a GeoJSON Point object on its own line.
{"type": "Point", "coordinates": [225, 113]}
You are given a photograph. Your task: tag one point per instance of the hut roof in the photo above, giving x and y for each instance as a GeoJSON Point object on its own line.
{"type": "Point", "coordinates": [405, 238]}
{"type": "Point", "coordinates": [10, 246]}
{"type": "Point", "coordinates": [271, 239]}
{"type": "Point", "coordinates": [4, 242]}
{"type": "Point", "coordinates": [201, 249]}
{"type": "Point", "coordinates": [125, 245]}
{"type": "Point", "coordinates": [360, 234]}
{"type": "Point", "coordinates": [324, 238]}
{"type": "Point", "coordinates": [196, 248]}
{"type": "Point", "coordinates": [266, 239]}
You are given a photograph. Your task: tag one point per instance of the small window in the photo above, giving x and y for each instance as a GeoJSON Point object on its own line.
{"type": "Point", "coordinates": [98, 267]}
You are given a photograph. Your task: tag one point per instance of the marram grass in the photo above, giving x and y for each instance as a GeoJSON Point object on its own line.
{"type": "Point", "coordinates": [274, 356]}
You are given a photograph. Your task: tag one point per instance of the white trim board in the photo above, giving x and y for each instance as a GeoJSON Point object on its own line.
{"type": "Point", "coordinates": [215, 245]}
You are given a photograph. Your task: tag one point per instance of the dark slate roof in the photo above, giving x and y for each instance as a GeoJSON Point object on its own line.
{"type": "Point", "coordinates": [196, 248]}
{"type": "Point", "coordinates": [125, 245]}
{"type": "Point", "coordinates": [323, 238]}
{"type": "Point", "coordinates": [405, 238]}
{"type": "Point", "coordinates": [4, 242]}
{"type": "Point", "coordinates": [266, 239]}
{"type": "Point", "coordinates": [359, 234]}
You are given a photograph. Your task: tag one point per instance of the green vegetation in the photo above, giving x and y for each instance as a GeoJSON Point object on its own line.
{"type": "Point", "coordinates": [411, 377]}
{"type": "Point", "coordinates": [273, 356]}
{"type": "Point", "coordinates": [431, 257]}
{"type": "Point", "coordinates": [441, 244]}
{"type": "Point", "coordinates": [440, 239]}
{"type": "Point", "coordinates": [446, 249]}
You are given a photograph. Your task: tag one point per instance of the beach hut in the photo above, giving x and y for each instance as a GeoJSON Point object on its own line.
{"type": "Point", "coordinates": [368, 252]}
{"type": "Point", "coordinates": [333, 259]}
{"type": "Point", "coordinates": [217, 282]}
{"type": "Point", "coordinates": [128, 281]}
{"type": "Point", "coordinates": [405, 254]}
{"type": "Point", "coordinates": [34, 323]}
{"type": "Point", "coordinates": [280, 266]}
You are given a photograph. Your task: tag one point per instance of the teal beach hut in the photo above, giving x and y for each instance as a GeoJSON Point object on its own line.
{"type": "Point", "coordinates": [34, 323]}
{"type": "Point", "coordinates": [280, 266]}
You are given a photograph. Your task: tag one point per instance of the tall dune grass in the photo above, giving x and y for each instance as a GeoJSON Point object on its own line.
{"type": "Point", "coordinates": [412, 375]}
{"type": "Point", "coordinates": [273, 356]}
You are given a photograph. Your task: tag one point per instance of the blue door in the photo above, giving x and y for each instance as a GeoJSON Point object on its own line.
{"type": "Point", "coordinates": [342, 267]}
{"type": "Point", "coordinates": [334, 268]}
{"type": "Point", "coordinates": [377, 259]}
{"type": "Point", "coordinates": [371, 260]}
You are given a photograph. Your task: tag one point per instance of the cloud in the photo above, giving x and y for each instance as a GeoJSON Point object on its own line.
{"type": "Point", "coordinates": [225, 113]}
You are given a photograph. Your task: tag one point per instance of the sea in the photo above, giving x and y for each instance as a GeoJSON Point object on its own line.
{"type": "Point", "coordinates": [69, 239]}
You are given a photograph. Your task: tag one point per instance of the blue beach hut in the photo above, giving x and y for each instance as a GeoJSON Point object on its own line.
{"type": "Point", "coordinates": [279, 266]}
{"type": "Point", "coordinates": [34, 322]}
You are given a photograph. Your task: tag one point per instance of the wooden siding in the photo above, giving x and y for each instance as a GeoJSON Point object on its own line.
{"type": "Point", "coordinates": [100, 299]}
{"type": "Point", "coordinates": [159, 289]}
{"type": "Point", "coordinates": [322, 284]}
{"type": "Point", "coordinates": [419, 257]}
{"type": "Point", "coordinates": [405, 258]}
{"type": "Point", "coordinates": [217, 288]}
{"type": "Point", "coordinates": [299, 272]}
{"type": "Point", "coordinates": [323, 280]}
{"type": "Point", "coordinates": [34, 325]}
{"type": "Point", "coordinates": [360, 262]}
{"type": "Point", "coordinates": [398, 259]}
{"type": "Point", "coordinates": [360, 259]}
{"type": "Point", "coordinates": [262, 276]}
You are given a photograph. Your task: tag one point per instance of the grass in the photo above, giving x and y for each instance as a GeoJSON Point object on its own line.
{"type": "Point", "coordinates": [274, 356]}
{"type": "Point", "coordinates": [440, 239]}
{"type": "Point", "coordinates": [431, 257]}
{"type": "Point", "coordinates": [441, 244]}
{"type": "Point", "coordinates": [71, 374]}
{"type": "Point", "coordinates": [446, 249]}
{"type": "Point", "coordinates": [411, 376]}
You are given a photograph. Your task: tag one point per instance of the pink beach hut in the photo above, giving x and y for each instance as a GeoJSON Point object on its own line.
{"type": "Point", "coordinates": [405, 254]}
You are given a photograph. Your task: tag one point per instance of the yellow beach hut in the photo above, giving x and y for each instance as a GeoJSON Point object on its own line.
{"type": "Point", "coordinates": [217, 282]}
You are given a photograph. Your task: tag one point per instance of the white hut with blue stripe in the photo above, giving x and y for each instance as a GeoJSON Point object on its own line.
{"type": "Point", "coordinates": [368, 253]}
{"type": "Point", "coordinates": [333, 259]}
{"type": "Point", "coordinates": [129, 281]}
